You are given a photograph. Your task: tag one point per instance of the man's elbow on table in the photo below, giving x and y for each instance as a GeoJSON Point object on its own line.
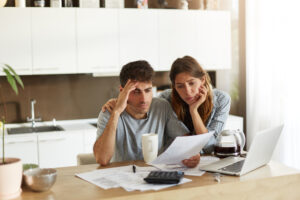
{"type": "Point", "coordinates": [101, 158]}
{"type": "Point", "coordinates": [102, 161]}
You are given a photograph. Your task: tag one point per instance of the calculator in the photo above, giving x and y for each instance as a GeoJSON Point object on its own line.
{"type": "Point", "coordinates": [164, 177]}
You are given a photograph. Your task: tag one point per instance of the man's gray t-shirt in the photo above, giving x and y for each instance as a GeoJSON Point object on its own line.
{"type": "Point", "coordinates": [160, 119]}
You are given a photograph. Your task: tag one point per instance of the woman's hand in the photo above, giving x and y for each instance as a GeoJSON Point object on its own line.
{"type": "Point", "coordinates": [192, 161]}
{"type": "Point", "coordinates": [199, 99]}
{"type": "Point", "coordinates": [109, 106]}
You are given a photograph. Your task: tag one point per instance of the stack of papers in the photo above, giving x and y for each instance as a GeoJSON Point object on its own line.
{"type": "Point", "coordinates": [170, 160]}
{"type": "Point", "coordinates": [182, 148]}
{"type": "Point", "coordinates": [125, 178]}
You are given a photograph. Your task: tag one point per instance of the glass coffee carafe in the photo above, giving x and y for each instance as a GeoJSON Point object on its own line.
{"type": "Point", "coordinates": [229, 143]}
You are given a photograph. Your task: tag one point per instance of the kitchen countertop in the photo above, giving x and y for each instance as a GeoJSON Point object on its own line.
{"type": "Point", "coordinates": [233, 122]}
{"type": "Point", "coordinates": [67, 125]}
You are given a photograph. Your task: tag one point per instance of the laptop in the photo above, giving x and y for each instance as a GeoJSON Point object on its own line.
{"type": "Point", "coordinates": [259, 154]}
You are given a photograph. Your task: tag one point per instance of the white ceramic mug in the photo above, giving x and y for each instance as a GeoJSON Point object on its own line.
{"type": "Point", "coordinates": [149, 146]}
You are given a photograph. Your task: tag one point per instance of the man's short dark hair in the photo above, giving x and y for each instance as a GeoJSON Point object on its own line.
{"type": "Point", "coordinates": [138, 70]}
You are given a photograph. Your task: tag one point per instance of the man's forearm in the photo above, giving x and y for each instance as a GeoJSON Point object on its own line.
{"type": "Point", "coordinates": [105, 145]}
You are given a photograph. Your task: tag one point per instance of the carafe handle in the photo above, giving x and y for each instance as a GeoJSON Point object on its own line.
{"type": "Point", "coordinates": [242, 137]}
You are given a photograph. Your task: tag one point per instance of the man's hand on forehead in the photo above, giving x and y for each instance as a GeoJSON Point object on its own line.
{"type": "Point", "coordinates": [131, 85]}
{"type": "Point", "coordinates": [123, 96]}
{"type": "Point", "coordinates": [137, 86]}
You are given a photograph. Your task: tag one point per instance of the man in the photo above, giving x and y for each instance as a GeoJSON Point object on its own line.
{"type": "Point", "coordinates": [135, 113]}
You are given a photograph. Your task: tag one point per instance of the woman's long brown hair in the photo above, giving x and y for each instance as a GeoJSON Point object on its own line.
{"type": "Point", "coordinates": [189, 65]}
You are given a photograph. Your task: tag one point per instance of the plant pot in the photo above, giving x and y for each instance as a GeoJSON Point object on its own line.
{"type": "Point", "coordinates": [10, 178]}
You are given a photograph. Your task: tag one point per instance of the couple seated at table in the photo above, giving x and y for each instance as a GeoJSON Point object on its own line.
{"type": "Point", "coordinates": [190, 107]}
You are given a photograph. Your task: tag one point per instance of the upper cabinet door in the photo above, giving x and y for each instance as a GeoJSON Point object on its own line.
{"type": "Point", "coordinates": [98, 40]}
{"type": "Point", "coordinates": [214, 39]}
{"type": "Point", "coordinates": [139, 36]}
{"type": "Point", "coordinates": [53, 41]}
{"type": "Point", "coordinates": [177, 36]}
{"type": "Point", "coordinates": [15, 39]}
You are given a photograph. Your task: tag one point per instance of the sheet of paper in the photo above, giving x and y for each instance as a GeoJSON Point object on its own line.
{"type": "Point", "coordinates": [125, 178]}
{"type": "Point", "coordinates": [204, 160]}
{"type": "Point", "coordinates": [182, 148]}
{"type": "Point", "coordinates": [99, 177]}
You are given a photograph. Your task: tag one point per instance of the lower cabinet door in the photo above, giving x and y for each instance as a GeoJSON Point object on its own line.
{"type": "Point", "coordinates": [21, 146]}
{"type": "Point", "coordinates": [59, 149]}
{"type": "Point", "coordinates": [90, 137]}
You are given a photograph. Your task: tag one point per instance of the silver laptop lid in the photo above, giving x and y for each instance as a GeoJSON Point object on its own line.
{"type": "Point", "coordinates": [261, 149]}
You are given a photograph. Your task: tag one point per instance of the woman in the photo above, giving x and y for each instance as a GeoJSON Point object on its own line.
{"type": "Point", "coordinates": [200, 107]}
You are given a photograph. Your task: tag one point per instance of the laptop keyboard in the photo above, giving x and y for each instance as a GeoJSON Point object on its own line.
{"type": "Point", "coordinates": [235, 167]}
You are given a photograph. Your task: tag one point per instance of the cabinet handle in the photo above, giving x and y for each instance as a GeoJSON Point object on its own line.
{"type": "Point", "coordinates": [104, 67]}
{"type": "Point", "coordinates": [15, 142]}
{"type": "Point", "coordinates": [42, 69]}
{"type": "Point", "coordinates": [49, 140]}
{"type": "Point", "coordinates": [23, 69]}
{"type": "Point", "coordinates": [97, 67]}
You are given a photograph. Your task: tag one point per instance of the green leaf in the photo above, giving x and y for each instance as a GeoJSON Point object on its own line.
{"type": "Point", "coordinates": [15, 75]}
{"type": "Point", "coordinates": [11, 80]}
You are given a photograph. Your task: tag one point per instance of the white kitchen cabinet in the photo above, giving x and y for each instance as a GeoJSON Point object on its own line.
{"type": "Point", "coordinates": [213, 39]}
{"type": "Point", "coordinates": [89, 139]}
{"type": "Point", "coordinates": [139, 36]}
{"type": "Point", "coordinates": [97, 40]}
{"type": "Point", "coordinates": [53, 41]}
{"type": "Point", "coordinates": [84, 40]}
{"type": "Point", "coordinates": [60, 149]}
{"type": "Point", "coordinates": [177, 36]}
{"type": "Point", "coordinates": [15, 39]}
{"type": "Point", "coordinates": [21, 146]}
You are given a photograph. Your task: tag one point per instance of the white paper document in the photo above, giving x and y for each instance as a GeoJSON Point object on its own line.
{"type": "Point", "coordinates": [125, 178]}
{"type": "Point", "coordinates": [182, 148]}
{"type": "Point", "coordinates": [204, 160]}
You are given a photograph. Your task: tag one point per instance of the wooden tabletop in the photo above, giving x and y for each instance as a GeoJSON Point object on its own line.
{"type": "Point", "coordinates": [273, 181]}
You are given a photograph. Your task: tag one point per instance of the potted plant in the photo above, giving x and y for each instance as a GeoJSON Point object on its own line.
{"type": "Point", "coordinates": [10, 168]}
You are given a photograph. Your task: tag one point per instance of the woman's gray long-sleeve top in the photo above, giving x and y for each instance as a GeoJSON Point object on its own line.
{"type": "Point", "coordinates": [217, 118]}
